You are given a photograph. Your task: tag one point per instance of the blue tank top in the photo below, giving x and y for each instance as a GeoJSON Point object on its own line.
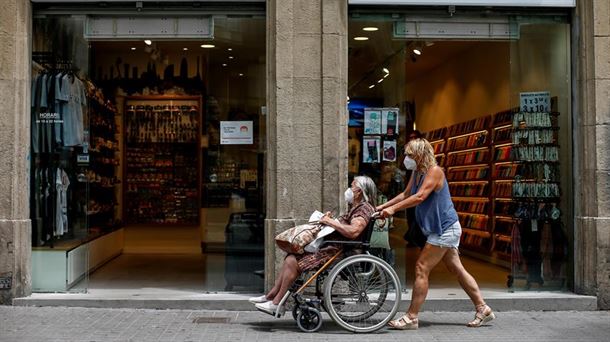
{"type": "Point", "coordinates": [436, 213]}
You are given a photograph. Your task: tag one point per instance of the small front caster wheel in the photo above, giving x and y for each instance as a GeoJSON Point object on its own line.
{"type": "Point", "coordinates": [309, 319]}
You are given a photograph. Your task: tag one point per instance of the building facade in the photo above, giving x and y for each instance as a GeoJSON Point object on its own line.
{"type": "Point", "coordinates": [306, 150]}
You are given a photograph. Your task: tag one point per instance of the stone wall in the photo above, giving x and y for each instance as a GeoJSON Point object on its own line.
{"type": "Point", "coordinates": [592, 151]}
{"type": "Point", "coordinates": [15, 227]}
{"type": "Point", "coordinates": [307, 116]}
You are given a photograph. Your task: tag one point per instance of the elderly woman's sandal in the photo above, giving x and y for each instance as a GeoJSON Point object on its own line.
{"type": "Point", "coordinates": [404, 323]}
{"type": "Point", "coordinates": [483, 315]}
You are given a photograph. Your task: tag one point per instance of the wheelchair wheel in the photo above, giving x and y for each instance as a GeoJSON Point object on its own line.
{"type": "Point", "coordinates": [362, 293]}
{"type": "Point", "coordinates": [309, 319]}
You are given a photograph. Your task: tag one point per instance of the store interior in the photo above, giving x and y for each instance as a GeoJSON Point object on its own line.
{"type": "Point", "coordinates": [154, 195]}
{"type": "Point", "coordinates": [463, 95]}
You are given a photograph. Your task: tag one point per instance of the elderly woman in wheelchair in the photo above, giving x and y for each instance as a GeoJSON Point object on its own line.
{"type": "Point", "coordinates": [360, 292]}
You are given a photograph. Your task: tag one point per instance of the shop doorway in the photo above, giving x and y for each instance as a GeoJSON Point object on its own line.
{"type": "Point", "coordinates": [171, 160]}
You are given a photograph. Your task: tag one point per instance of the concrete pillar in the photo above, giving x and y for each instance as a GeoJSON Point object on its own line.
{"type": "Point", "coordinates": [15, 227]}
{"type": "Point", "coordinates": [307, 120]}
{"type": "Point", "coordinates": [592, 152]}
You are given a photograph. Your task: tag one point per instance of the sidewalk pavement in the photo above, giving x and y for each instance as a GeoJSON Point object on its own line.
{"type": "Point", "coordinates": [24, 324]}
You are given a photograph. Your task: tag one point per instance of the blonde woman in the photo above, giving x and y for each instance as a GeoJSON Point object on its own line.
{"type": "Point", "coordinates": [428, 191]}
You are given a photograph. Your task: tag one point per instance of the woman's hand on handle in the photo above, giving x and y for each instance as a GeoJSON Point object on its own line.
{"type": "Point", "coordinates": [387, 212]}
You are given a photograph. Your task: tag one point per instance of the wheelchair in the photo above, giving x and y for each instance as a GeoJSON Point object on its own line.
{"type": "Point", "coordinates": [360, 293]}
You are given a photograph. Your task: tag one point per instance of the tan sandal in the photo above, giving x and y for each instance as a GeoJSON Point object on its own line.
{"type": "Point", "coordinates": [404, 323]}
{"type": "Point", "coordinates": [483, 315]}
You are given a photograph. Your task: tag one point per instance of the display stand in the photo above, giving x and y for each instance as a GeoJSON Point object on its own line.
{"type": "Point", "coordinates": [162, 160]}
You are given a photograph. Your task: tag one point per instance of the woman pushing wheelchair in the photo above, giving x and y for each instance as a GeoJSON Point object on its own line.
{"type": "Point", "coordinates": [428, 192]}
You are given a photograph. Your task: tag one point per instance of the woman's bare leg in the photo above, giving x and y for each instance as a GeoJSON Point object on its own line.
{"type": "Point", "coordinates": [467, 282]}
{"type": "Point", "coordinates": [288, 275]}
{"type": "Point", "coordinates": [429, 257]}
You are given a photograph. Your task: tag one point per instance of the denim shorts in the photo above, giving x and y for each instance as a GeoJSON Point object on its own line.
{"type": "Point", "coordinates": [449, 239]}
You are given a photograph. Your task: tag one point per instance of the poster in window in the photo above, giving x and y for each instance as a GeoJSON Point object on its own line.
{"type": "Point", "coordinates": [389, 121]}
{"type": "Point", "coordinates": [236, 133]}
{"type": "Point", "coordinates": [372, 121]}
{"type": "Point", "coordinates": [371, 150]}
{"type": "Point", "coordinates": [389, 150]}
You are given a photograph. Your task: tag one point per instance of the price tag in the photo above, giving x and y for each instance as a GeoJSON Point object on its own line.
{"type": "Point", "coordinates": [82, 159]}
{"type": "Point", "coordinates": [534, 226]}
{"type": "Point", "coordinates": [535, 102]}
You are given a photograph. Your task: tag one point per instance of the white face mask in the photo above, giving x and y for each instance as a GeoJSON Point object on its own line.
{"type": "Point", "coordinates": [349, 195]}
{"type": "Point", "coordinates": [409, 163]}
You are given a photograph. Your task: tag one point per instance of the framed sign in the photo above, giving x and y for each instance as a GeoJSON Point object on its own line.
{"type": "Point", "coordinates": [236, 133]}
{"type": "Point", "coordinates": [389, 150]}
{"type": "Point", "coordinates": [371, 150]}
{"type": "Point", "coordinates": [389, 121]}
{"type": "Point", "coordinates": [372, 121]}
{"type": "Point", "coordinates": [535, 102]}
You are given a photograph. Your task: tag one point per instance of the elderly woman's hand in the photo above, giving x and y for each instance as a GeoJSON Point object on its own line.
{"type": "Point", "coordinates": [326, 219]}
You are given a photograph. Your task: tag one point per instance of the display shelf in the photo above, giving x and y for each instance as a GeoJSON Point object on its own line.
{"type": "Point", "coordinates": [162, 166]}
{"type": "Point", "coordinates": [477, 232]}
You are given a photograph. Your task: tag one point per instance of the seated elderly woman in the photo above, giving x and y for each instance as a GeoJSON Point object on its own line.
{"type": "Point", "coordinates": [361, 198]}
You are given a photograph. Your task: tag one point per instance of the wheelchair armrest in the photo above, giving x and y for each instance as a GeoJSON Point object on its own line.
{"type": "Point", "coordinates": [344, 243]}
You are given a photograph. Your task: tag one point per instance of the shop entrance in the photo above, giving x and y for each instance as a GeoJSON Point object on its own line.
{"type": "Point", "coordinates": [167, 180]}
{"type": "Point", "coordinates": [463, 82]}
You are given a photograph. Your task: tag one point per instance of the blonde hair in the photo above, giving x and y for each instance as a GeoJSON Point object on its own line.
{"type": "Point", "coordinates": [422, 152]}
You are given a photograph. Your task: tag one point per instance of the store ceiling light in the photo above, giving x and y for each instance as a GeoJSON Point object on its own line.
{"type": "Point", "coordinates": [417, 51]}
{"type": "Point", "coordinates": [229, 49]}
{"type": "Point", "coordinates": [386, 71]}
{"type": "Point", "coordinates": [148, 42]}
{"type": "Point", "coordinates": [185, 49]}
{"type": "Point", "coordinates": [224, 64]}
{"type": "Point", "coordinates": [371, 86]}
{"type": "Point", "coordinates": [361, 38]}
{"type": "Point", "coordinates": [381, 80]}
{"type": "Point", "coordinates": [133, 49]}
{"type": "Point", "coordinates": [370, 28]}
{"type": "Point", "coordinates": [208, 46]}
{"type": "Point", "coordinates": [231, 57]}
{"type": "Point", "coordinates": [240, 75]}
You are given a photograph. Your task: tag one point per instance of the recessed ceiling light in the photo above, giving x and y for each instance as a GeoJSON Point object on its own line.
{"type": "Point", "coordinates": [231, 57]}
{"type": "Point", "coordinates": [417, 51]}
{"type": "Point", "coordinates": [241, 74]}
{"type": "Point", "coordinates": [208, 46]}
{"type": "Point", "coordinates": [361, 38]}
{"type": "Point", "coordinates": [386, 70]}
{"type": "Point", "coordinates": [381, 80]}
{"type": "Point", "coordinates": [185, 49]}
{"type": "Point", "coordinates": [133, 49]}
{"type": "Point", "coordinates": [229, 49]}
{"type": "Point", "coordinates": [371, 86]}
{"type": "Point", "coordinates": [370, 28]}
{"type": "Point", "coordinates": [224, 64]}
{"type": "Point", "coordinates": [148, 42]}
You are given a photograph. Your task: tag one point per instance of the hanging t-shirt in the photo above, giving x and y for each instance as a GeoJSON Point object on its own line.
{"type": "Point", "coordinates": [62, 183]}
{"type": "Point", "coordinates": [72, 93]}
{"type": "Point", "coordinates": [39, 101]}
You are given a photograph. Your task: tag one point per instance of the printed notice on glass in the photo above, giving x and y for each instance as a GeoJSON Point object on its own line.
{"type": "Point", "coordinates": [389, 150]}
{"type": "Point", "coordinates": [236, 133]}
{"type": "Point", "coordinates": [535, 102]}
{"type": "Point", "coordinates": [389, 121]}
{"type": "Point", "coordinates": [371, 150]}
{"type": "Point", "coordinates": [372, 121]}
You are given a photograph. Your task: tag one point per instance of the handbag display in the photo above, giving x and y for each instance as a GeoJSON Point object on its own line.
{"type": "Point", "coordinates": [294, 240]}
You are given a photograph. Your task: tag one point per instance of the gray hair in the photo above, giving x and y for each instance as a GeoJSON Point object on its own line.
{"type": "Point", "coordinates": [369, 189]}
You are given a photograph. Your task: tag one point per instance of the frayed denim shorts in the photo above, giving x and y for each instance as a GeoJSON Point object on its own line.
{"type": "Point", "coordinates": [449, 239]}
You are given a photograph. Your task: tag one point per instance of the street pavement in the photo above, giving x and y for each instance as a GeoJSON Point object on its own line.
{"type": "Point", "coordinates": [23, 324]}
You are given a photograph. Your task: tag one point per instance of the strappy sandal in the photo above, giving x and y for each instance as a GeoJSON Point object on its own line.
{"type": "Point", "coordinates": [482, 316]}
{"type": "Point", "coordinates": [404, 323]}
